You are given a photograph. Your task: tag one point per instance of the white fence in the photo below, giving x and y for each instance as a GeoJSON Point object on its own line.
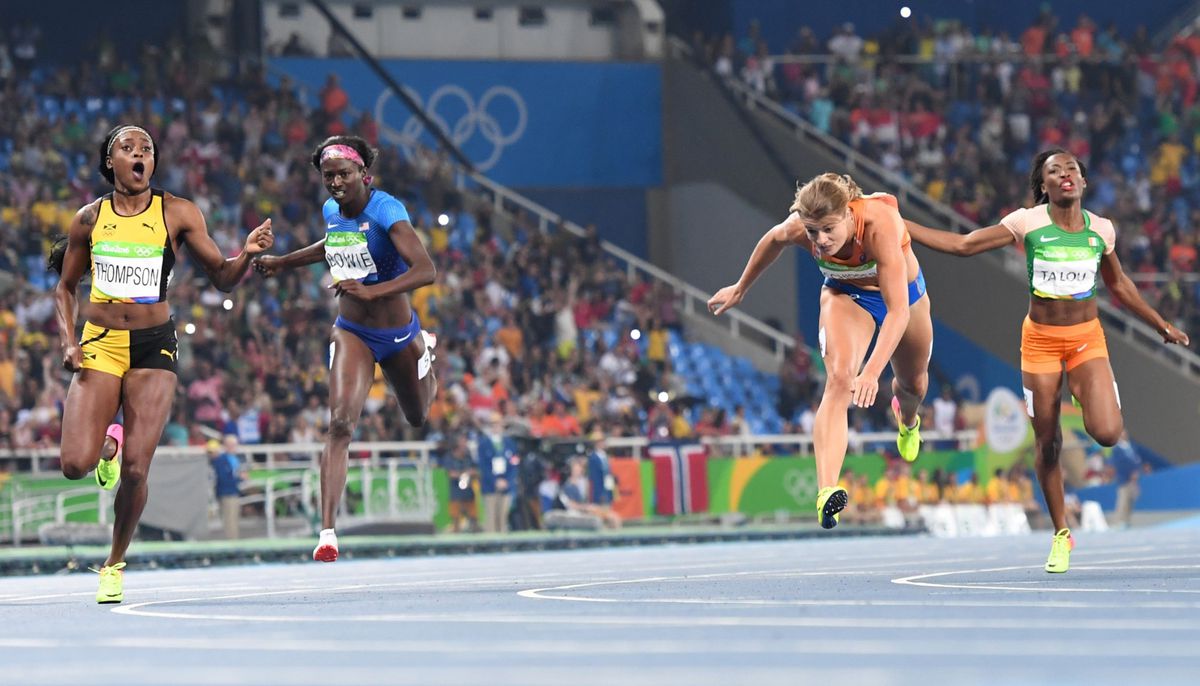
{"type": "Point", "coordinates": [395, 480]}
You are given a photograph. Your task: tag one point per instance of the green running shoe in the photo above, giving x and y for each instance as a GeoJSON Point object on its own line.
{"type": "Point", "coordinates": [1060, 552]}
{"type": "Point", "coordinates": [109, 471]}
{"type": "Point", "coordinates": [112, 584]}
{"type": "Point", "coordinates": [830, 501]}
{"type": "Point", "coordinates": [908, 442]}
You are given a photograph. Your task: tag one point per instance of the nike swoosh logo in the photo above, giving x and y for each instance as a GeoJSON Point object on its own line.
{"type": "Point", "coordinates": [1047, 239]}
{"type": "Point", "coordinates": [401, 340]}
{"type": "Point", "coordinates": [1080, 348]}
{"type": "Point", "coordinates": [331, 226]}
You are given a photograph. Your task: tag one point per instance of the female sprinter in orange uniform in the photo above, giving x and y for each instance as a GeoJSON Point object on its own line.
{"type": "Point", "coordinates": [126, 356]}
{"type": "Point", "coordinates": [376, 260]}
{"type": "Point", "coordinates": [872, 279]}
{"type": "Point", "coordinates": [1064, 246]}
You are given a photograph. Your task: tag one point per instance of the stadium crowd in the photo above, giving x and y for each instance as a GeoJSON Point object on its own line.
{"type": "Point", "coordinates": [533, 325]}
{"type": "Point", "coordinates": [960, 113]}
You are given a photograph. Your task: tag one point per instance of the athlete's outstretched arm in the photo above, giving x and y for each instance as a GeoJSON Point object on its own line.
{"type": "Point", "coordinates": [1126, 291]}
{"type": "Point", "coordinates": [270, 265]}
{"type": "Point", "coordinates": [789, 231]}
{"type": "Point", "coordinates": [961, 244]}
{"type": "Point", "coordinates": [75, 262]}
{"type": "Point", "coordinates": [882, 238]}
{"type": "Point", "coordinates": [193, 232]}
{"type": "Point", "coordinates": [421, 271]}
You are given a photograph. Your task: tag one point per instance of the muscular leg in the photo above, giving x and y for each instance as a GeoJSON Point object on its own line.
{"type": "Point", "coordinates": [92, 402]}
{"type": "Point", "coordinates": [1093, 386]}
{"type": "Point", "coordinates": [350, 378]}
{"type": "Point", "coordinates": [415, 395]}
{"type": "Point", "coordinates": [910, 362]}
{"type": "Point", "coordinates": [846, 331]}
{"type": "Point", "coordinates": [1047, 433]}
{"type": "Point", "coordinates": [147, 400]}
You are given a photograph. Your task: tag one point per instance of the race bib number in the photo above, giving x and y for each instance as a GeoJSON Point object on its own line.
{"type": "Point", "coordinates": [1064, 279]}
{"type": "Point", "coordinates": [348, 256]}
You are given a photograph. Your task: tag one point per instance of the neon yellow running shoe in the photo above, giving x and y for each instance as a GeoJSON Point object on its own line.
{"type": "Point", "coordinates": [1060, 552]}
{"type": "Point", "coordinates": [112, 584]}
{"type": "Point", "coordinates": [109, 471]}
{"type": "Point", "coordinates": [830, 501]}
{"type": "Point", "coordinates": [908, 441]}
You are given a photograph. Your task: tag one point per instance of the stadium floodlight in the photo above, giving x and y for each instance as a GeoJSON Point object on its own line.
{"type": "Point", "coordinates": [905, 12]}
{"type": "Point", "coordinates": [189, 328]}
{"type": "Point", "coordinates": [228, 304]}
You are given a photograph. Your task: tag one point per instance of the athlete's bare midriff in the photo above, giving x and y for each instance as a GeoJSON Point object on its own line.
{"type": "Point", "coordinates": [126, 316]}
{"type": "Point", "coordinates": [1062, 312]}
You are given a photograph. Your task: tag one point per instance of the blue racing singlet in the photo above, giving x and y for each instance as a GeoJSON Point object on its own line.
{"type": "Point", "coordinates": [360, 248]}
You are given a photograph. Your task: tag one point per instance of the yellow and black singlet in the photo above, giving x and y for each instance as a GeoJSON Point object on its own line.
{"type": "Point", "coordinates": [132, 257]}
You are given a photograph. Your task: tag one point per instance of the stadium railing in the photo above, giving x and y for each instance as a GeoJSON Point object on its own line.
{"type": "Point", "coordinates": [291, 470]}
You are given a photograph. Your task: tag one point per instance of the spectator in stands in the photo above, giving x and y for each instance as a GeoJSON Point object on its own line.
{"type": "Point", "coordinates": [461, 471]}
{"type": "Point", "coordinates": [997, 490]}
{"type": "Point", "coordinates": [796, 379]}
{"type": "Point", "coordinates": [577, 494]}
{"type": "Point", "coordinates": [229, 473]}
{"type": "Point", "coordinates": [1127, 469]}
{"type": "Point", "coordinates": [496, 456]}
{"type": "Point", "coordinates": [945, 416]}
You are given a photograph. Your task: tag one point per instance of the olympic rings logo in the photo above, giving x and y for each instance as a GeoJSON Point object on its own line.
{"type": "Point", "coordinates": [143, 251]}
{"type": "Point", "coordinates": [475, 118]}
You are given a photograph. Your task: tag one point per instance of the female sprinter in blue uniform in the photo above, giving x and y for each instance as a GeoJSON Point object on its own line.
{"type": "Point", "coordinates": [872, 281]}
{"type": "Point", "coordinates": [376, 260]}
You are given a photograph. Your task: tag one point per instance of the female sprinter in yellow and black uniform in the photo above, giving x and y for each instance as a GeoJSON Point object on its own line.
{"type": "Point", "coordinates": [126, 356]}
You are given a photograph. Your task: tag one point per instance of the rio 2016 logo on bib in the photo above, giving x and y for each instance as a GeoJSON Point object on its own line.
{"type": "Point", "coordinates": [348, 255]}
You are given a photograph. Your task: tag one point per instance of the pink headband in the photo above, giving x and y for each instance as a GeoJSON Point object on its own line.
{"type": "Point", "coordinates": [345, 152]}
{"type": "Point", "coordinates": [342, 152]}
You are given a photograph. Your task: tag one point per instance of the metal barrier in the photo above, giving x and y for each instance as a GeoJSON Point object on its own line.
{"type": "Point", "coordinates": [395, 476]}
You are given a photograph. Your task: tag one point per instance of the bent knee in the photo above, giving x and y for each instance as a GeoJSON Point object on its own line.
{"type": "Point", "coordinates": [134, 472]}
{"type": "Point", "coordinates": [1107, 436]}
{"type": "Point", "coordinates": [342, 427]}
{"type": "Point", "coordinates": [838, 380]}
{"type": "Point", "coordinates": [74, 470]}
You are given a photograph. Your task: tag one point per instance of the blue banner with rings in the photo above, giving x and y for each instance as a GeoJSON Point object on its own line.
{"type": "Point", "coordinates": [524, 124]}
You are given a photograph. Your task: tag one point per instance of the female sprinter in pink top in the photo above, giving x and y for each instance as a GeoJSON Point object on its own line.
{"type": "Point", "coordinates": [1064, 245]}
{"type": "Point", "coordinates": [872, 280]}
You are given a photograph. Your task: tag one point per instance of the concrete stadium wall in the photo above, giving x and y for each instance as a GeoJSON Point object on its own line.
{"type": "Point", "coordinates": [719, 197]}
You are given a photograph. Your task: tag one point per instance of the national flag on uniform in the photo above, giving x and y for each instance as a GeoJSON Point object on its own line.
{"type": "Point", "coordinates": [680, 477]}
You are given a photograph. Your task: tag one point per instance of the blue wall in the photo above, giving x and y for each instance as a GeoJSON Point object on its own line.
{"type": "Point", "coordinates": [618, 213]}
{"type": "Point", "coordinates": [780, 19]}
{"type": "Point", "coordinates": [525, 124]}
{"type": "Point", "coordinates": [1171, 489]}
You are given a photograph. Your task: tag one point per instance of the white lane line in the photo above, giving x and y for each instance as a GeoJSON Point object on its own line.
{"type": "Point", "coordinates": [969, 647]}
{"type": "Point", "coordinates": [1097, 566]}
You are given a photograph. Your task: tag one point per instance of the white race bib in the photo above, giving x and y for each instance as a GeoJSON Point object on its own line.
{"type": "Point", "coordinates": [348, 256]}
{"type": "Point", "coordinates": [1063, 279]}
{"type": "Point", "coordinates": [127, 270]}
